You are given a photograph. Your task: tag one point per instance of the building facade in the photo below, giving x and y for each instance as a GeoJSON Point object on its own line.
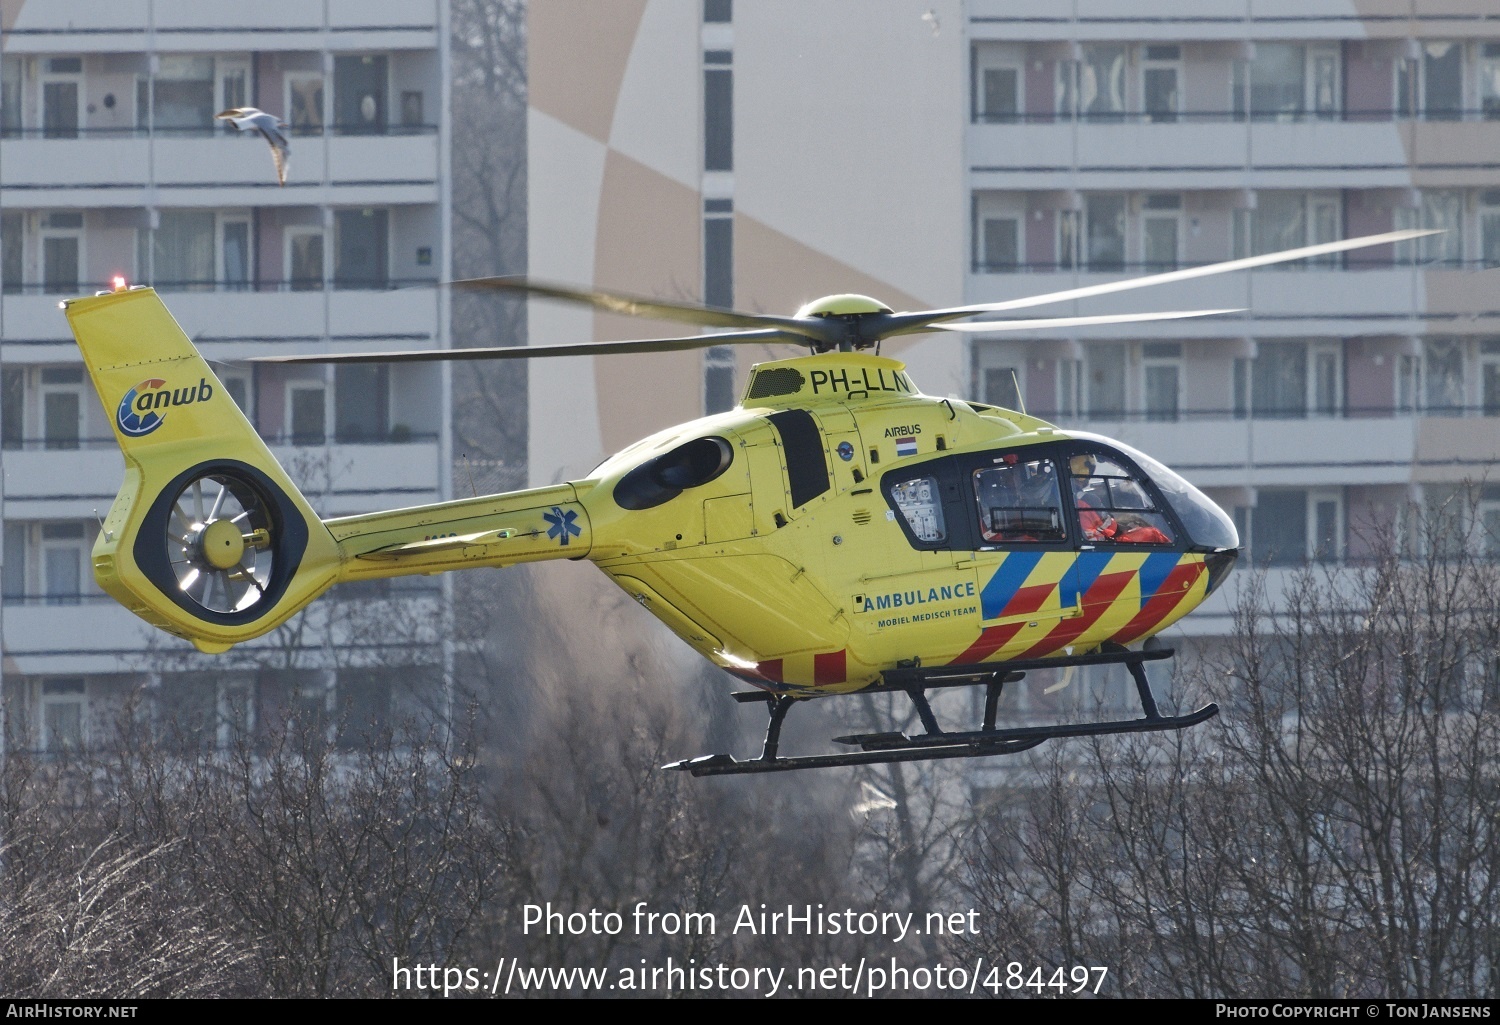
{"type": "Point", "coordinates": [111, 164]}
{"type": "Point", "coordinates": [985, 150]}
{"type": "Point", "coordinates": [1352, 389]}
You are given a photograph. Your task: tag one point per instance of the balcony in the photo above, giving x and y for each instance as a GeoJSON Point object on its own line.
{"type": "Point", "coordinates": [213, 168]}
{"type": "Point", "coordinates": [82, 634]}
{"type": "Point", "coordinates": [1215, 450]}
{"type": "Point", "coordinates": [91, 633]}
{"type": "Point", "coordinates": [44, 483]}
{"type": "Point", "coordinates": [1212, 151]}
{"type": "Point", "coordinates": [343, 480]}
{"type": "Point", "coordinates": [1291, 301]}
{"type": "Point", "coordinates": [408, 315]}
{"type": "Point", "coordinates": [90, 26]}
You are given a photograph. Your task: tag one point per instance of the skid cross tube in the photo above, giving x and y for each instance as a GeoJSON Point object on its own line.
{"type": "Point", "coordinates": [937, 744]}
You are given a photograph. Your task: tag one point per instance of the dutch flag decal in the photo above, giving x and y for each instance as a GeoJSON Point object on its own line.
{"type": "Point", "coordinates": [906, 446]}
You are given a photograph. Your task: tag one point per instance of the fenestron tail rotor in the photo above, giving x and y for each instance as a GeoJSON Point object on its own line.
{"type": "Point", "coordinates": [218, 542]}
{"type": "Point", "coordinates": [844, 322]}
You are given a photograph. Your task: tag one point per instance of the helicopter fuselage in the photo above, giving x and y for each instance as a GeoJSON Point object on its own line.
{"type": "Point", "coordinates": [839, 524]}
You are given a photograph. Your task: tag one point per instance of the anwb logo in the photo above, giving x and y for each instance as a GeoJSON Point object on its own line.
{"type": "Point", "coordinates": [138, 413]}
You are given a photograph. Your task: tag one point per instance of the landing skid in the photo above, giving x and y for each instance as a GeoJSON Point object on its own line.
{"type": "Point", "coordinates": [936, 743]}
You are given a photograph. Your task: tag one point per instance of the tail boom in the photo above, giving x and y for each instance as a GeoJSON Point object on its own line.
{"type": "Point", "coordinates": [209, 538]}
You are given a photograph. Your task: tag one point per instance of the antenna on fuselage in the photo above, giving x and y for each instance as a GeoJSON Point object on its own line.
{"type": "Point", "coordinates": [1019, 397]}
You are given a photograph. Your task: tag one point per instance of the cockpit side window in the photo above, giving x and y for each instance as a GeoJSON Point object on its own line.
{"type": "Point", "coordinates": [1112, 505]}
{"type": "Point", "coordinates": [1019, 501]}
{"type": "Point", "coordinates": [920, 503]}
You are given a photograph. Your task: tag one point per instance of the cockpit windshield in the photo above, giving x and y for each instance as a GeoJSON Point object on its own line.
{"type": "Point", "coordinates": [1207, 525]}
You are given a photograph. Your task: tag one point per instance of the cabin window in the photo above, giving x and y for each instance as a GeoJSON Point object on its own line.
{"type": "Point", "coordinates": [920, 502]}
{"type": "Point", "coordinates": [1019, 502]}
{"type": "Point", "coordinates": [1113, 507]}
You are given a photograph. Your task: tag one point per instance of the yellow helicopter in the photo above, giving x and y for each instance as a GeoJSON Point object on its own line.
{"type": "Point", "coordinates": [838, 531]}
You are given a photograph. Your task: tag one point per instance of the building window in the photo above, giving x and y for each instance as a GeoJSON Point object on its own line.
{"type": "Point", "coordinates": [997, 83]}
{"type": "Point", "coordinates": [1105, 239]}
{"type": "Point", "coordinates": [1106, 380]}
{"type": "Point", "coordinates": [1161, 71]}
{"type": "Point", "coordinates": [1094, 237]}
{"type": "Point", "coordinates": [1489, 227]}
{"type": "Point", "coordinates": [63, 557]}
{"type": "Point", "coordinates": [1094, 87]}
{"type": "Point", "coordinates": [717, 11]}
{"type": "Point", "coordinates": [364, 707]}
{"type": "Point", "coordinates": [359, 94]}
{"type": "Point", "coordinates": [718, 111]}
{"type": "Point", "coordinates": [1327, 379]}
{"type": "Point", "coordinates": [1161, 232]}
{"type": "Point", "coordinates": [718, 290]}
{"type": "Point", "coordinates": [62, 407]}
{"type": "Point", "coordinates": [1489, 80]}
{"type": "Point", "coordinates": [12, 252]}
{"type": "Point", "coordinates": [304, 102]}
{"type": "Point", "coordinates": [304, 259]}
{"type": "Point", "coordinates": [234, 253]}
{"type": "Point", "coordinates": [361, 402]}
{"type": "Point", "coordinates": [1271, 86]}
{"type": "Point", "coordinates": [181, 250]}
{"type": "Point", "coordinates": [1002, 387]}
{"type": "Point", "coordinates": [62, 252]}
{"type": "Point", "coordinates": [12, 407]}
{"type": "Point", "coordinates": [1444, 377]}
{"type": "Point", "coordinates": [1488, 513]}
{"type": "Point", "coordinates": [1286, 380]}
{"type": "Point", "coordinates": [1323, 72]}
{"type": "Point", "coordinates": [1277, 381]}
{"type": "Point", "coordinates": [1286, 81]}
{"type": "Point", "coordinates": [1408, 383]}
{"type": "Point", "coordinates": [361, 242]}
{"type": "Point", "coordinates": [1002, 243]}
{"type": "Point", "coordinates": [718, 379]}
{"type": "Point", "coordinates": [1278, 528]}
{"type": "Point", "coordinates": [240, 386]}
{"type": "Point", "coordinates": [1284, 219]}
{"type": "Point", "coordinates": [1489, 376]}
{"type": "Point", "coordinates": [14, 577]}
{"type": "Point", "coordinates": [179, 97]}
{"type": "Point", "coordinates": [306, 402]}
{"type": "Point", "coordinates": [1432, 83]}
{"type": "Point", "coordinates": [1161, 379]}
{"type": "Point", "coordinates": [1069, 387]}
{"type": "Point", "coordinates": [10, 96]}
{"type": "Point", "coordinates": [1327, 524]}
{"type": "Point", "coordinates": [63, 720]}
{"type": "Point", "coordinates": [196, 250]}
{"type": "Point", "coordinates": [62, 80]}
{"type": "Point", "coordinates": [1441, 209]}
{"type": "Point", "coordinates": [718, 253]}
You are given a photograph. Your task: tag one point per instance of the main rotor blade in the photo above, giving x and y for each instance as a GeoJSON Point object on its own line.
{"type": "Point", "coordinates": [907, 323]}
{"type": "Point", "coordinates": [987, 326]}
{"type": "Point", "coordinates": [642, 306]}
{"type": "Point", "coordinates": [771, 336]}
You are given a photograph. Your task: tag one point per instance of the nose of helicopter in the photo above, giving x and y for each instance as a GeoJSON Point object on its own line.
{"type": "Point", "coordinates": [1219, 564]}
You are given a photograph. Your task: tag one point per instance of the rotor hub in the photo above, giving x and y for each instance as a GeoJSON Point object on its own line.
{"type": "Point", "coordinates": [222, 544]}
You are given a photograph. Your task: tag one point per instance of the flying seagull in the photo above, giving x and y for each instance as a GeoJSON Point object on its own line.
{"type": "Point", "coordinates": [271, 128]}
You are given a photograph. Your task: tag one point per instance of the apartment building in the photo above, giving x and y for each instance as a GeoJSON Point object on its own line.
{"type": "Point", "coordinates": [1352, 388]}
{"type": "Point", "coordinates": [983, 150]}
{"type": "Point", "coordinates": [111, 164]}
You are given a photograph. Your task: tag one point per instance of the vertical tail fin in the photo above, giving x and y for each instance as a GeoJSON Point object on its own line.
{"type": "Point", "coordinates": [208, 538]}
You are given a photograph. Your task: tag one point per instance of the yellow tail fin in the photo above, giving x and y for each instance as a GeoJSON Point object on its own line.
{"type": "Point", "coordinates": [208, 538]}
